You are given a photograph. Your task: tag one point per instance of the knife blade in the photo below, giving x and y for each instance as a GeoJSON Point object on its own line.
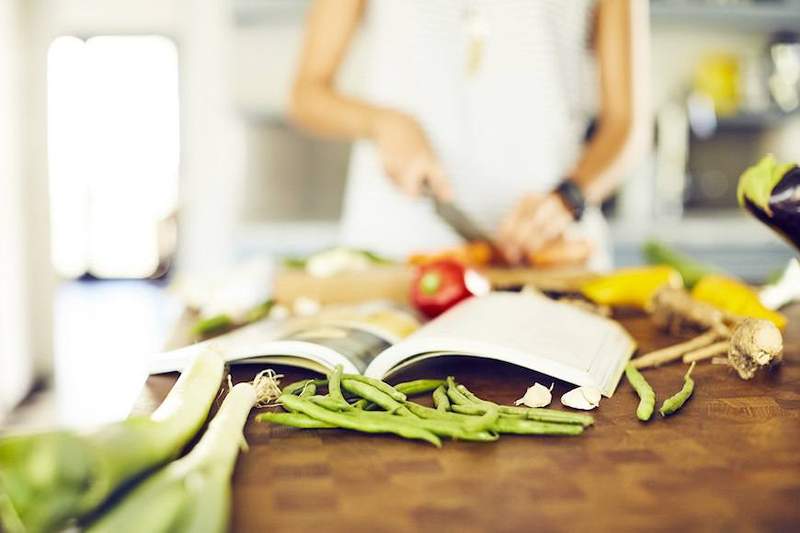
{"type": "Point", "coordinates": [462, 223]}
{"type": "Point", "coordinates": [459, 221]}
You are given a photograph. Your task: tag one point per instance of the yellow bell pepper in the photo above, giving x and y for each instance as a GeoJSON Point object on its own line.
{"type": "Point", "coordinates": [734, 297]}
{"type": "Point", "coordinates": [631, 287]}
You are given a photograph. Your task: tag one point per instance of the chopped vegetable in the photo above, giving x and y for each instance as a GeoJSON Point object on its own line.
{"type": "Point", "coordinates": [536, 396]}
{"type": "Point", "coordinates": [771, 192]}
{"type": "Point", "coordinates": [631, 287]}
{"type": "Point", "coordinates": [647, 397]}
{"type": "Point", "coordinates": [734, 297]}
{"type": "Point", "coordinates": [475, 254]}
{"type": "Point", "coordinates": [676, 401]}
{"type": "Point", "coordinates": [755, 344]}
{"type": "Point", "coordinates": [192, 494]}
{"type": "Point", "coordinates": [438, 286]}
{"type": "Point", "coordinates": [51, 478]}
{"type": "Point", "coordinates": [691, 270]}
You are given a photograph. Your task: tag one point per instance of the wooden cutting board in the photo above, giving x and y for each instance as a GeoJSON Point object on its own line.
{"type": "Point", "coordinates": [394, 282]}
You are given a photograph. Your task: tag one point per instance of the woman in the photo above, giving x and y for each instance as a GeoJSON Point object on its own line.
{"type": "Point", "coordinates": [487, 103]}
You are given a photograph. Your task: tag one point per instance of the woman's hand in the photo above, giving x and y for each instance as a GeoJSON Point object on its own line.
{"type": "Point", "coordinates": [407, 156]}
{"type": "Point", "coordinates": [535, 223]}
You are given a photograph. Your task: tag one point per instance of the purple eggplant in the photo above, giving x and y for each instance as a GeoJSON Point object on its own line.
{"type": "Point", "coordinates": [771, 192]}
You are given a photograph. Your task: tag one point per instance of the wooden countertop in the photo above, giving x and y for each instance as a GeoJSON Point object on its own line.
{"type": "Point", "coordinates": [728, 461]}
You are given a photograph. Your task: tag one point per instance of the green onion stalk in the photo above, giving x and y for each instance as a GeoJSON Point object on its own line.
{"type": "Point", "coordinates": [193, 494]}
{"type": "Point", "coordinates": [49, 479]}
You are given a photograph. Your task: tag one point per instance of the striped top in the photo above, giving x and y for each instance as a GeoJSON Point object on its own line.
{"type": "Point", "coordinates": [504, 89]}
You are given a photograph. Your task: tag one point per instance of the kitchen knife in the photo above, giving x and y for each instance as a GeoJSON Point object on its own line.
{"type": "Point", "coordinates": [461, 223]}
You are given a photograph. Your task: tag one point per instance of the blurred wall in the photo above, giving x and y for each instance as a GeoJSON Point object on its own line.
{"type": "Point", "coordinates": [25, 274]}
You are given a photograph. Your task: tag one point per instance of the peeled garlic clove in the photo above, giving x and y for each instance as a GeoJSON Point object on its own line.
{"type": "Point", "coordinates": [584, 398]}
{"type": "Point", "coordinates": [536, 396]}
{"type": "Point", "coordinates": [591, 394]}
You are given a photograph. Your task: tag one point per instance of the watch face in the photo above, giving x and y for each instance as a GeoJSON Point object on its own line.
{"type": "Point", "coordinates": [572, 197]}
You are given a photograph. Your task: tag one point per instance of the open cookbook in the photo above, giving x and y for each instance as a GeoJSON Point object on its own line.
{"type": "Point", "coordinates": [378, 339]}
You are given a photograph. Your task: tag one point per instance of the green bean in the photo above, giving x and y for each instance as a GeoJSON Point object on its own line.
{"type": "Point", "coordinates": [469, 395]}
{"type": "Point", "coordinates": [330, 403]}
{"type": "Point", "coordinates": [456, 397]}
{"type": "Point", "coordinates": [359, 422]}
{"type": "Point", "coordinates": [378, 384]}
{"type": "Point", "coordinates": [442, 427]}
{"type": "Point", "coordinates": [368, 392]}
{"type": "Point", "coordinates": [486, 420]}
{"type": "Point", "coordinates": [297, 386]}
{"type": "Point", "coordinates": [335, 383]}
{"type": "Point", "coordinates": [519, 426]}
{"type": "Point", "coordinates": [675, 402]}
{"type": "Point", "coordinates": [309, 390]}
{"type": "Point", "coordinates": [558, 417]}
{"type": "Point", "coordinates": [423, 411]}
{"type": "Point", "coordinates": [502, 424]}
{"type": "Point", "coordinates": [647, 398]}
{"type": "Point", "coordinates": [548, 416]}
{"type": "Point", "coordinates": [440, 399]}
{"type": "Point", "coordinates": [295, 420]}
{"type": "Point", "coordinates": [359, 404]}
{"type": "Point", "coordinates": [419, 386]}
{"type": "Point", "coordinates": [531, 413]}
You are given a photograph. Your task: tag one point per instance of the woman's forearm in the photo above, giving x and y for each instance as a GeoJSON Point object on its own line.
{"type": "Point", "coordinates": [320, 109]}
{"type": "Point", "coordinates": [624, 124]}
{"type": "Point", "coordinates": [316, 105]}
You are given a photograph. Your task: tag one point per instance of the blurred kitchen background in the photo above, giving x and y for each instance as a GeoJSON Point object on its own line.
{"type": "Point", "coordinates": [141, 137]}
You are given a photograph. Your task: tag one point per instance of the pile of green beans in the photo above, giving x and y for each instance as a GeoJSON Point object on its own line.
{"type": "Point", "coordinates": [369, 405]}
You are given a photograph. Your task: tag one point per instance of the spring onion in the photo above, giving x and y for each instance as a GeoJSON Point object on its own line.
{"type": "Point", "coordinates": [193, 493]}
{"type": "Point", "coordinates": [48, 479]}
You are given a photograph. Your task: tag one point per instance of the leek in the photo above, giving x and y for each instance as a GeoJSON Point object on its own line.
{"type": "Point", "coordinates": [191, 494]}
{"type": "Point", "coordinates": [48, 479]}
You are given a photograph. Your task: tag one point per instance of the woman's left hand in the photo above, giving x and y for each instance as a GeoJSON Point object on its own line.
{"type": "Point", "coordinates": [537, 220]}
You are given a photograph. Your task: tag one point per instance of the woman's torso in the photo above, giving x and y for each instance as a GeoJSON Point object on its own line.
{"type": "Point", "coordinates": [504, 90]}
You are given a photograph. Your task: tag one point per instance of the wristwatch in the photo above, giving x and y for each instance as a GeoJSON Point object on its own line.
{"type": "Point", "coordinates": [572, 196]}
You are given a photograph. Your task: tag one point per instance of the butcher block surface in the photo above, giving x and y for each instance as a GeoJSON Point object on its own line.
{"type": "Point", "coordinates": [728, 461]}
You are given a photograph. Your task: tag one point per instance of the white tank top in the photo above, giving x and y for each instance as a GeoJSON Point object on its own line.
{"type": "Point", "coordinates": [509, 123]}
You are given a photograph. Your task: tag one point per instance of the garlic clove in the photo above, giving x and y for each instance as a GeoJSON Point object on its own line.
{"type": "Point", "coordinates": [536, 396]}
{"type": "Point", "coordinates": [591, 394]}
{"type": "Point", "coordinates": [583, 398]}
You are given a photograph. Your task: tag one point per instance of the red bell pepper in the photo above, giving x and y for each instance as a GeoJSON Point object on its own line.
{"type": "Point", "coordinates": [438, 286]}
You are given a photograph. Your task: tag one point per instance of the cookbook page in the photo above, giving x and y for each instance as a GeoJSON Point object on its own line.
{"type": "Point", "coordinates": [525, 329]}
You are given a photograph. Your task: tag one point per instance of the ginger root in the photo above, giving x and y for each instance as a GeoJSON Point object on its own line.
{"type": "Point", "coordinates": [755, 343]}
{"type": "Point", "coordinates": [676, 312]}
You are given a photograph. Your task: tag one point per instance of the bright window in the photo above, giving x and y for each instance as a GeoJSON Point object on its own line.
{"type": "Point", "coordinates": [114, 143]}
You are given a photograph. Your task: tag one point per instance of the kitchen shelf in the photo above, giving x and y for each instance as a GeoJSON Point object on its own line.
{"type": "Point", "coordinates": [259, 12]}
{"type": "Point", "coordinates": [761, 16]}
{"type": "Point", "coordinates": [748, 120]}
